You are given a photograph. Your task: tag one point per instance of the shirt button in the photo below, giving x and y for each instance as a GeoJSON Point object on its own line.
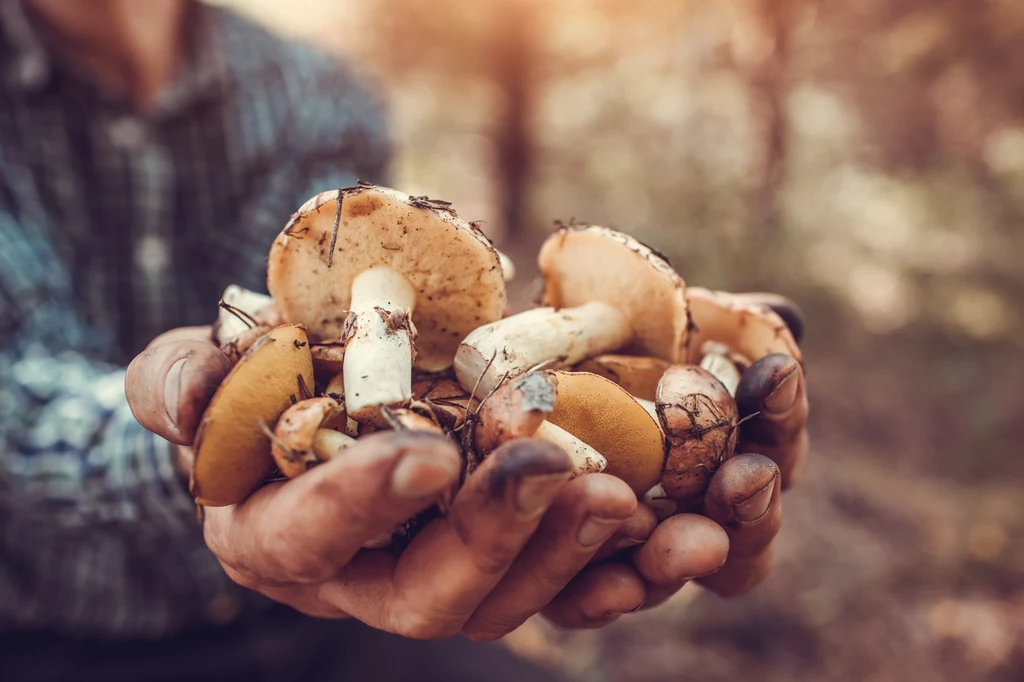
{"type": "Point", "coordinates": [151, 254]}
{"type": "Point", "coordinates": [127, 133]}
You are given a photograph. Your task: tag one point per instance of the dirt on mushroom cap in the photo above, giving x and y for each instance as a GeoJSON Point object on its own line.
{"type": "Point", "coordinates": [587, 263]}
{"type": "Point", "coordinates": [232, 447]}
{"type": "Point", "coordinates": [380, 226]}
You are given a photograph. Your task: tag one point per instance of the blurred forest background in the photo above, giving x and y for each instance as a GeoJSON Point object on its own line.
{"type": "Point", "coordinates": [864, 158]}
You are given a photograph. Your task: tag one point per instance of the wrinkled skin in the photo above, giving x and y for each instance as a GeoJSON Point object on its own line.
{"type": "Point", "coordinates": [520, 538]}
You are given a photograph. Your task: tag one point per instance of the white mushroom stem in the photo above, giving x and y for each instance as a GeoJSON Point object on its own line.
{"type": "Point", "coordinates": [328, 443]}
{"type": "Point", "coordinates": [660, 503]}
{"type": "Point", "coordinates": [532, 338]}
{"type": "Point", "coordinates": [585, 459]}
{"type": "Point", "coordinates": [378, 356]}
{"type": "Point", "coordinates": [723, 369]}
{"type": "Point", "coordinates": [508, 268]}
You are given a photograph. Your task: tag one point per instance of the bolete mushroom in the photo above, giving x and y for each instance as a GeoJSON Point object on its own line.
{"type": "Point", "coordinates": [243, 317]}
{"type": "Point", "coordinates": [595, 421]}
{"type": "Point", "coordinates": [604, 291]}
{"type": "Point", "coordinates": [381, 270]}
{"type": "Point", "coordinates": [232, 444]}
{"type": "Point", "coordinates": [308, 433]}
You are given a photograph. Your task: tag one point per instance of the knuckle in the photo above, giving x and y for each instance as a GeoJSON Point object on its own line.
{"type": "Point", "coordinates": [416, 624]}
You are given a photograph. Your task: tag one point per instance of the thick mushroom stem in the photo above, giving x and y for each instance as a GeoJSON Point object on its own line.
{"type": "Point", "coordinates": [328, 443]}
{"type": "Point", "coordinates": [379, 354]}
{"type": "Point", "coordinates": [585, 459]}
{"type": "Point", "coordinates": [521, 342]}
{"type": "Point", "coordinates": [723, 369]}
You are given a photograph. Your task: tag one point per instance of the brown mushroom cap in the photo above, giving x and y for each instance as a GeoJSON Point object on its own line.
{"type": "Point", "coordinates": [452, 267]}
{"type": "Point", "coordinates": [444, 396]}
{"type": "Point", "coordinates": [232, 446]}
{"type": "Point", "coordinates": [637, 375]}
{"type": "Point", "coordinates": [583, 264]}
{"type": "Point", "coordinates": [593, 409]}
{"type": "Point", "coordinates": [747, 329]}
{"type": "Point", "coordinates": [699, 419]}
{"type": "Point", "coordinates": [328, 358]}
{"type": "Point", "coordinates": [293, 444]}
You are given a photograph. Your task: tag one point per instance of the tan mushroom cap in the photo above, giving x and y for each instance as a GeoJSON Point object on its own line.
{"type": "Point", "coordinates": [604, 416]}
{"type": "Point", "coordinates": [593, 409]}
{"type": "Point", "coordinates": [581, 264]}
{"type": "Point", "coordinates": [452, 267]}
{"type": "Point", "coordinates": [296, 430]}
{"type": "Point", "coordinates": [232, 446]}
{"type": "Point", "coordinates": [638, 375]}
{"type": "Point", "coordinates": [328, 358]}
{"type": "Point", "coordinates": [750, 330]}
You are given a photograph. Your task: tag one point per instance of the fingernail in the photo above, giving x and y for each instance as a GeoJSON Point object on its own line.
{"type": "Point", "coordinates": [784, 395]}
{"type": "Point", "coordinates": [595, 530]}
{"type": "Point", "coordinates": [172, 389]}
{"type": "Point", "coordinates": [421, 474]}
{"type": "Point", "coordinates": [755, 506]}
{"type": "Point", "coordinates": [534, 493]}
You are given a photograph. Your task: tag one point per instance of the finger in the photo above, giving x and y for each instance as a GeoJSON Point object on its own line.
{"type": "Point", "coordinates": [683, 547]}
{"type": "Point", "coordinates": [203, 333]}
{"type": "Point", "coordinates": [597, 596]}
{"type": "Point", "coordinates": [773, 394]}
{"type": "Point", "coordinates": [586, 513]}
{"type": "Point", "coordinates": [784, 307]}
{"type": "Point", "coordinates": [168, 386]}
{"type": "Point", "coordinates": [455, 562]}
{"type": "Point", "coordinates": [304, 530]}
{"type": "Point", "coordinates": [744, 497]}
{"type": "Point", "coordinates": [634, 531]}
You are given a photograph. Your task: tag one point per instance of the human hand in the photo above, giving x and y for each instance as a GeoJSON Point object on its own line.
{"type": "Point", "coordinates": [728, 547]}
{"type": "Point", "coordinates": [515, 534]}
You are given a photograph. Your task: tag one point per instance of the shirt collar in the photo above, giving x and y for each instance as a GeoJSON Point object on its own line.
{"type": "Point", "coordinates": [26, 64]}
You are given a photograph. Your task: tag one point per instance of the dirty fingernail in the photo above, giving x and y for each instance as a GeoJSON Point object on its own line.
{"type": "Point", "coordinates": [595, 530]}
{"type": "Point", "coordinates": [755, 506]}
{"type": "Point", "coordinates": [420, 474]}
{"type": "Point", "coordinates": [535, 493]}
{"type": "Point", "coordinates": [172, 389]}
{"type": "Point", "coordinates": [784, 395]}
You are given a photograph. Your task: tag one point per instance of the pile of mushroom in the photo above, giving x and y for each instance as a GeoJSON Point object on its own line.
{"type": "Point", "coordinates": [387, 311]}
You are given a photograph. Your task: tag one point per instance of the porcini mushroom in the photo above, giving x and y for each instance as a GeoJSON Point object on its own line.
{"type": "Point", "coordinates": [243, 317]}
{"type": "Point", "coordinates": [636, 374]}
{"type": "Point", "coordinates": [699, 418]}
{"type": "Point", "coordinates": [381, 269]}
{"type": "Point", "coordinates": [595, 421]}
{"type": "Point", "coordinates": [604, 291]}
{"type": "Point", "coordinates": [308, 433]}
{"type": "Point", "coordinates": [232, 444]}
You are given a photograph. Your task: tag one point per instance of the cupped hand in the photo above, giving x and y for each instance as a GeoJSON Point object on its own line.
{"type": "Point", "coordinates": [727, 548]}
{"type": "Point", "coordinates": [516, 533]}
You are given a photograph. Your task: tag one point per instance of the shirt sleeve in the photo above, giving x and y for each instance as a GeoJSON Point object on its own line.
{"type": "Point", "coordinates": [72, 455]}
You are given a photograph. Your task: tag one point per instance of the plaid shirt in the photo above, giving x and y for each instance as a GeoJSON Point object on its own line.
{"type": "Point", "coordinates": [114, 227]}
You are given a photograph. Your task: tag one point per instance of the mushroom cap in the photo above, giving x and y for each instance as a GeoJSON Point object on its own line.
{"type": "Point", "coordinates": [292, 447]}
{"type": "Point", "coordinates": [699, 419]}
{"type": "Point", "coordinates": [593, 409]}
{"type": "Point", "coordinates": [445, 397]}
{"type": "Point", "coordinates": [604, 416]}
{"type": "Point", "coordinates": [232, 445]}
{"type": "Point", "coordinates": [453, 268]}
{"type": "Point", "coordinates": [240, 310]}
{"type": "Point", "coordinates": [638, 375]}
{"type": "Point", "coordinates": [587, 263]}
{"type": "Point", "coordinates": [748, 329]}
{"type": "Point", "coordinates": [328, 358]}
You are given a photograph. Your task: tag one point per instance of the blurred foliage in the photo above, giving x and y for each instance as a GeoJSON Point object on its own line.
{"type": "Point", "coordinates": [865, 158]}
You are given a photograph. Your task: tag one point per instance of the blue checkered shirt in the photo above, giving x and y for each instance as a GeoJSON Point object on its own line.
{"type": "Point", "coordinates": [114, 227]}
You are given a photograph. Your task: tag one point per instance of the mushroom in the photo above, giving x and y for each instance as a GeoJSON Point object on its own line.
{"type": "Point", "coordinates": [309, 433]}
{"type": "Point", "coordinates": [232, 445]}
{"type": "Point", "coordinates": [328, 357]}
{"type": "Point", "coordinates": [444, 397]}
{"type": "Point", "coordinates": [699, 418]}
{"type": "Point", "coordinates": [381, 269]}
{"type": "Point", "coordinates": [605, 291]}
{"type": "Point", "coordinates": [244, 316]}
{"type": "Point", "coordinates": [595, 421]}
{"type": "Point", "coordinates": [638, 375]}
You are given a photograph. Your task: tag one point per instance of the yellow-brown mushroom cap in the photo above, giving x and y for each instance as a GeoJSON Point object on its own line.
{"type": "Point", "coordinates": [636, 374]}
{"type": "Point", "coordinates": [452, 267]}
{"type": "Point", "coordinates": [581, 264]}
{"type": "Point", "coordinates": [232, 446]}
